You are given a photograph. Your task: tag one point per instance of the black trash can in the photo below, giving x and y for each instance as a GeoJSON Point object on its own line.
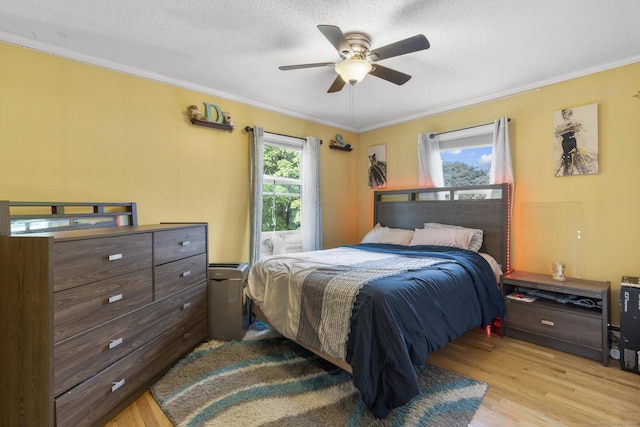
{"type": "Point", "coordinates": [227, 309]}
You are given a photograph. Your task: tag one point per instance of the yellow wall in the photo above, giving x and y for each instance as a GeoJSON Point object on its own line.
{"type": "Point", "coordinates": [75, 132]}
{"type": "Point", "coordinates": [549, 210]}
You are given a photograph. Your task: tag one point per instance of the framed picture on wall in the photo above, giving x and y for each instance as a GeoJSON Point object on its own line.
{"type": "Point", "coordinates": [378, 166]}
{"type": "Point", "coordinates": [575, 137]}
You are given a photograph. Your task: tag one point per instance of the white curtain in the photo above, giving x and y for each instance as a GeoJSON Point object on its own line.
{"type": "Point", "coordinates": [501, 164]}
{"type": "Point", "coordinates": [256, 153]}
{"type": "Point", "coordinates": [311, 208]}
{"type": "Point", "coordinates": [429, 161]}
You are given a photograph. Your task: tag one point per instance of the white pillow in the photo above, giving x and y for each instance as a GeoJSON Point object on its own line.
{"type": "Point", "coordinates": [373, 236]}
{"type": "Point", "coordinates": [476, 240]}
{"type": "Point", "coordinates": [381, 234]}
{"type": "Point", "coordinates": [396, 236]}
{"type": "Point", "coordinates": [444, 236]}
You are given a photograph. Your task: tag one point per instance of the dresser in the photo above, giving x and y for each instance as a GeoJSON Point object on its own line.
{"type": "Point", "coordinates": [91, 318]}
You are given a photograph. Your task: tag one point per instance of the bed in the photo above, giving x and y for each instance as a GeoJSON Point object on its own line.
{"type": "Point", "coordinates": [427, 272]}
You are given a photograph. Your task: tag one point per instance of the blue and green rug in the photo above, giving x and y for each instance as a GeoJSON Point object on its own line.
{"type": "Point", "coordinates": [267, 380]}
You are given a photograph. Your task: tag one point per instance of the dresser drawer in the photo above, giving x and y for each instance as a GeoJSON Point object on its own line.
{"type": "Point", "coordinates": [84, 307]}
{"type": "Point", "coordinates": [90, 402]}
{"type": "Point", "coordinates": [78, 262]}
{"type": "Point", "coordinates": [181, 274]}
{"type": "Point", "coordinates": [171, 245]}
{"type": "Point", "coordinates": [80, 357]}
{"type": "Point", "coordinates": [556, 323]}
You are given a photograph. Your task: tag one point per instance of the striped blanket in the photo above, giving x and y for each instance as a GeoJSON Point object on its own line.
{"type": "Point", "coordinates": [330, 293]}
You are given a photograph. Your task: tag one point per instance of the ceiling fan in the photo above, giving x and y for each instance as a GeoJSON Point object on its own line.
{"type": "Point", "coordinates": [358, 60]}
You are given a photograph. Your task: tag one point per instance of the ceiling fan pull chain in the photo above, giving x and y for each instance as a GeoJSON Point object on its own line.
{"type": "Point", "coordinates": [351, 104]}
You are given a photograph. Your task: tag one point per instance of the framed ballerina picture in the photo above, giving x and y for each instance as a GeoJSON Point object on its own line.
{"type": "Point", "coordinates": [575, 135]}
{"type": "Point", "coordinates": [378, 166]}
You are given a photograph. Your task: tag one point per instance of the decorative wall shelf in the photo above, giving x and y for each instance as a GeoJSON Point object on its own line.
{"type": "Point", "coordinates": [214, 125]}
{"type": "Point", "coordinates": [337, 147]}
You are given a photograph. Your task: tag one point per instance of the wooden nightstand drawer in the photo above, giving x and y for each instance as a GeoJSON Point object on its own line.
{"type": "Point", "coordinates": [555, 323]}
{"type": "Point", "coordinates": [78, 262]}
{"type": "Point", "coordinates": [176, 244]}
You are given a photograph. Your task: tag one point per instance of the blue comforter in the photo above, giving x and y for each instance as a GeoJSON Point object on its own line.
{"type": "Point", "coordinates": [397, 321]}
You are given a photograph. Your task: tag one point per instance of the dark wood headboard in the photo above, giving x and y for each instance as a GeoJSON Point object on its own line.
{"type": "Point", "coordinates": [484, 207]}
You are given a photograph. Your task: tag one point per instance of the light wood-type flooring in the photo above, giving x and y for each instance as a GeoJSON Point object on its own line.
{"type": "Point", "coordinates": [529, 385]}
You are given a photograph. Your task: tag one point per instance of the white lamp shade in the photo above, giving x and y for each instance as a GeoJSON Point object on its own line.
{"type": "Point", "coordinates": [353, 70]}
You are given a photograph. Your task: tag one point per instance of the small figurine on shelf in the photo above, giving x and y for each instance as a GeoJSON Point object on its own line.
{"type": "Point", "coordinates": [339, 141]}
{"type": "Point", "coordinates": [228, 120]}
{"type": "Point", "coordinates": [195, 114]}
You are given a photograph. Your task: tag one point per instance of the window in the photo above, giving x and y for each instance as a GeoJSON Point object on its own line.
{"type": "Point", "coordinates": [281, 189]}
{"type": "Point", "coordinates": [473, 148]}
{"type": "Point", "coordinates": [281, 195]}
{"type": "Point", "coordinates": [286, 215]}
{"type": "Point", "coordinates": [466, 156]}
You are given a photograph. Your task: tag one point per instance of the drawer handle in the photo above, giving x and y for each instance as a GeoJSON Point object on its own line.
{"type": "Point", "coordinates": [116, 385]}
{"type": "Point", "coordinates": [186, 306]}
{"type": "Point", "coordinates": [186, 273]}
{"type": "Point", "coordinates": [185, 243]}
{"type": "Point", "coordinates": [186, 336]}
{"type": "Point", "coordinates": [547, 322]}
{"type": "Point", "coordinates": [115, 343]}
{"type": "Point", "coordinates": [115, 257]}
{"type": "Point", "coordinates": [115, 298]}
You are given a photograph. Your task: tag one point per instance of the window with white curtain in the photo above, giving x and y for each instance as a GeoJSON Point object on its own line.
{"type": "Point", "coordinates": [286, 213]}
{"type": "Point", "coordinates": [472, 156]}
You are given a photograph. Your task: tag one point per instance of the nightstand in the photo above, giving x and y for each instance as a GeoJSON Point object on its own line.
{"type": "Point", "coordinates": [571, 316]}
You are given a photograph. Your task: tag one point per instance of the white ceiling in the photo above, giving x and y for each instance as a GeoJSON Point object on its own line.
{"type": "Point", "coordinates": [480, 50]}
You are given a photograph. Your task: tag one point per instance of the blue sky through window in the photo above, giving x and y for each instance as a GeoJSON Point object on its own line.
{"type": "Point", "coordinates": [478, 157]}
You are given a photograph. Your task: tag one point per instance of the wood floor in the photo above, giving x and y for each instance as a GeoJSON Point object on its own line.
{"type": "Point", "coordinates": [529, 385]}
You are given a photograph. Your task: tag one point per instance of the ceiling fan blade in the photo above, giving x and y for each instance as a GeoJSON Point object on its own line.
{"type": "Point", "coordinates": [337, 39]}
{"type": "Point", "coordinates": [337, 85]}
{"type": "Point", "coordinates": [316, 64]}
{"type": "Point", "coordinates": [390, 75]}
{"type": "Point", "coordinates": [412, 44]}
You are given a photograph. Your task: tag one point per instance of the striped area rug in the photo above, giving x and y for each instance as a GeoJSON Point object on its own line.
{"type": "Point", "coordinates": [267, 380]}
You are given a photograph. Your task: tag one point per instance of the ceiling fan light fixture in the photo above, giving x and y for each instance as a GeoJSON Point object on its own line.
{"type": "Point", "coordinates": [354, 70]}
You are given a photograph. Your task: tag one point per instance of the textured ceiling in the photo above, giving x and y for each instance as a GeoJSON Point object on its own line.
{"type": "Point", "coordinates": [480, 50]}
